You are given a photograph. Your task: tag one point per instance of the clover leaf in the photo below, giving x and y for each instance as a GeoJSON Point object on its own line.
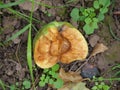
{"type": "Point", "coordinates": [50, 76]}
{"type": "Point", "coordinates": [42, 77]}
{"type": "Point", "coordinates": [55, 67]}
{"type": "Point", "coordinates": [103, 10]}
{"type": "Point", "coordinates": [88, 20]}
{"type": "Point", "coordinates": [90, 26]}
{"type": "Point", "coordinates": [27, 84]}
{"type": "Point", "coordinates": [100, 17]}
{"type": "Point", "coordinates": [51, 81]}
{"type": "Point", "coordinates": [58, 83]}
{"type": "Point", "coordinates": [45, 70]}
{"type": "Point", "coordinates": [104, 2]}
{"type": "Point", "coordinates": [47, 79]}
{"type": "Point", "coordinates": [12, 87]}
{"type": "Point", "coordinates": [96, 4]}
{"type": "Point", "coordinates": [42, 83]}
{"type": "Point", "coordinates": [75, 14]}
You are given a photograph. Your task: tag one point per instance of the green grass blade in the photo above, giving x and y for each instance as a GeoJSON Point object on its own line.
{"type": "Point", "coordinates": [47, 5]}
{"type": "Point", "coordinates": [18, 33]}
{"type": "Point", "coordinates": [2, 84]}
{"type": "Point", "coordinates": [71, 1]}
{"type": "Point", "coordinates": [29, 54]}
{"type": "Point", "coordinates": [11, 4]}
{"type": "Point", "coordinates": [116, 67]}
{"type": "Point", "coordinates": [24, 16]}
{"type": "Point", "coordinates": [29, 45]}
{"type": "Point", "coordinates": [117, 73]}
{"type": "Point", "coordinates": [112, 33]}
{"type": "Point", "coordinates": [1, 44]}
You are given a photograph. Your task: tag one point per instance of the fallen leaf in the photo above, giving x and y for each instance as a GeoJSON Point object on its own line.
{"type": "Point", "coordinates": [74, 86]}
{"type": "Point", "coordinates": [8, 24]}
{"type": "Point", "coordinates": [16, 40]}
{"type": "Point", "coordinates": [1, 12]}
{"type": "Point", "coordinates": [18, 67]}
{"type": "Point", "coordinates": [93, 40]}
{"type": "Point", "coordinates": [80, 86]}
{"type": "Point", "coordinates": [99, 48]}
{"type": "Point", "coordinates": [74, 23]}
{"type": "Point", "coordinates": [70, 76]}
{"type": "Point", "coordinates": [28, 5]}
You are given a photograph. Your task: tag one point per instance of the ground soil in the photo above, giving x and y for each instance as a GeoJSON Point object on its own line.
{"type": "Point", "coordinates": [13, 62]}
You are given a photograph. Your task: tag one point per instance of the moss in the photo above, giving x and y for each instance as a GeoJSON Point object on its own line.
{"type": "Point", "coordinates": [105, 34]}
{"type": "Point", "coordinates": [61, 12]}
{"type": "Point", "coordinates": [1, 30]}
{"type": "Point", "coordinates": [112, 56]}
{"type": "Point", "coordinates": [114, 52]}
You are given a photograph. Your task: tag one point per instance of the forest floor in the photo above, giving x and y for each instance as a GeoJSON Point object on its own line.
{"type": "Point", "coordinates": [13, 60]}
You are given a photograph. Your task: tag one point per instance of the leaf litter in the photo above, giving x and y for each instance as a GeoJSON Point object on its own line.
{"type": "Point", "coordinates": [74, 86]}
{"type": "Point", "coordinates": [99, 48]}
{"type": "Point", "coordinates": [72, 81]}
{"type": "Point", "coordinates": [70, 76]}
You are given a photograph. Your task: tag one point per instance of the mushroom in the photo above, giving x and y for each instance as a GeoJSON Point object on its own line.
{"type": "Point", "coordinates": [59, 42]}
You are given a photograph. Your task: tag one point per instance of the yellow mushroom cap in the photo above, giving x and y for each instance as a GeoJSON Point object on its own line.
{"type": "Point", "coordinates": [78, 49]}
{"type": "Point", "coordinates": [63, 46]}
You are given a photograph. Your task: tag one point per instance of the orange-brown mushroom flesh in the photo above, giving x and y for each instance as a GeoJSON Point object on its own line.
{"type": "Point", "coordinates": [65, 46]}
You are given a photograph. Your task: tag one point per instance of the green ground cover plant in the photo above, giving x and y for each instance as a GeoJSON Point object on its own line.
{"type": "Point", "coordinates": [91, 16]}
{"type": "Point", "coordinates": [116, 67]}
{"type": "Point", "coordinates": [100, 82]}
{"type": "Point", "coordinates": [51, 76]}
{"type": "Point", "coordinates": [27, 27]}
{"type": "Point", "coordinates": [26, 84]}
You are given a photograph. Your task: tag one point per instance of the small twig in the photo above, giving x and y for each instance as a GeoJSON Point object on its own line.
{"type": "Point", "coordinates": [36, 81]}
{"type": "Point", "coordinates": [1, 12]}
{"type": "Point", "coordinates": [12, 61]}
{"type": "Point", "coordinates": [73, 66]}
{"type": "Point", "coordinates": [116, 12]}
{"type": "Point", "coordinates": [114, 36]}
{"type": "Point", "coordinates": [48, 6]}
{"type": "Point", "coordinates": [83, 64]}
{"type": "Point", "coordinates": [83, 4]}
{"type": "Point", "coordinates": [16, 54]}
{"type": "Point", "coordinates": [117, 23]}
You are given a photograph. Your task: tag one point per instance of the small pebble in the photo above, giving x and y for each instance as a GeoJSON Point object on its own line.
{"type": "Point", "coordinates": [88, 71]}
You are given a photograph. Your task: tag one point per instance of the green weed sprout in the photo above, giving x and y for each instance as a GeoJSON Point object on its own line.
{"type": "Point", "coordinates": [12, 87]}
{"type": "Point", "coordinates": [102, 6]}
{"type": "Point", "coordinates": [99, 84]}
{"type": "Point", "coordinates": [50, 76]}
{"type": "Point", "coordinates": [117, 68]}
{"type": "Point", "coordinates": [27, 84]}
{"type": "Point", "coordinates": [91, 16]}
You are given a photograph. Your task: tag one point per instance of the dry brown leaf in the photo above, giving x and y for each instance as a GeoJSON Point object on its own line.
{"type": "Point", "coordinates": [70, 76]}
{"type": "Point", "coordinates": [74, 86]}
{"type": "Point", "coordinates": [67, 86]}
{"type": "Point", "coordinates": [93, 40]}
{"type": "Point", "coordinates": [99, 48]}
